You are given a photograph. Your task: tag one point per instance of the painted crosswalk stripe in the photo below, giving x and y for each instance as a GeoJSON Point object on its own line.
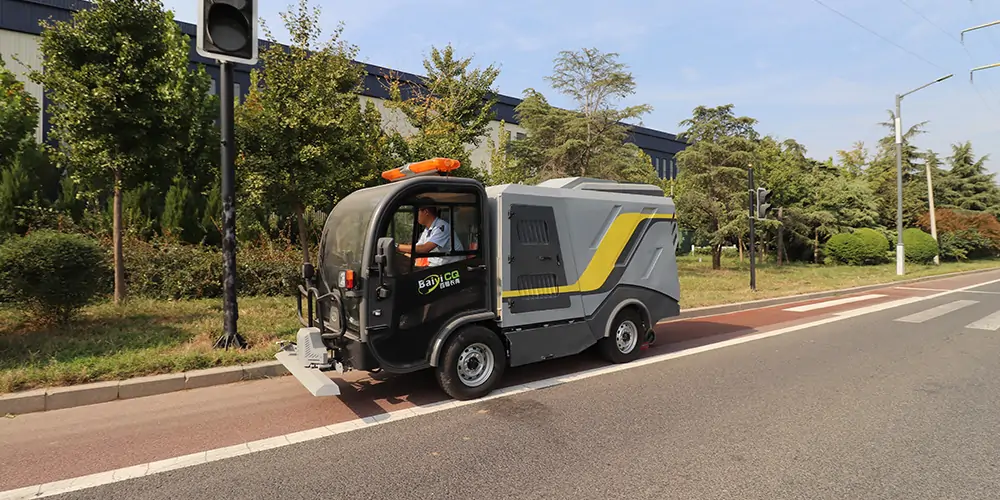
{"type": "Point", "coordinates": [991, 322]}
{"type": "Point", "coordinates": [833, 303]}
{"type": "Point", "coordinates": [934, 312]}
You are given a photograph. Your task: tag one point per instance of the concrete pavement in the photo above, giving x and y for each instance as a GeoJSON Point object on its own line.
{"type": "Point", "coordinates": [654, 431]}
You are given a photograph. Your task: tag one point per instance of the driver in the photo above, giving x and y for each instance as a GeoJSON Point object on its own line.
{"type": "Point", "coordinates": [436, 237]}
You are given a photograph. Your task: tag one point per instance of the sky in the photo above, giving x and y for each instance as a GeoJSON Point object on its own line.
{"type": "Point", "coordinates": [797, 66]}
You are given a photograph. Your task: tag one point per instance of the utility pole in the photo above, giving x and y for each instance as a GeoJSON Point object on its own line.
{"type": "Point", "coordinates": [753, 216]}
{"type": "Point", "coordinates": [930, 203]}
{"type": "Point", "coordinates": [900, 250]}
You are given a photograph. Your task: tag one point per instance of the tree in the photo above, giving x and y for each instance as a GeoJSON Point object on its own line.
{"type": "Point", "coordinates": [712, 200]}
{"type": "Point", "coordinates": [881, 174]}
{"type": "Point", "coordinates": [967, 185]}
{"type": "Point", "coordinates": [18, 114]}
{"type": "Point", "coordinates": [117, 75]}
{"type": "Point", "coordinates": [304, 139]}
{"type": "Point", "coordinates": [450, 108]}
{"type": "Point", "coordinates": [592, 139]}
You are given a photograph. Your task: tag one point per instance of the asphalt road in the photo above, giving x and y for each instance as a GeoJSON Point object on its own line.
{"type": "Point", "coordinates": [866, 407]}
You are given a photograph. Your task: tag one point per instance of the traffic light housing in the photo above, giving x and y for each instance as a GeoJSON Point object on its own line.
{"type": "Point", "coordinates": [763, 203]}
{"type": "Point", "coordinates": [227, 30]}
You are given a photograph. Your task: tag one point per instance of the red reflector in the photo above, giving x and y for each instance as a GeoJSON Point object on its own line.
{"type": "Point", "coordinates": [349, 280]}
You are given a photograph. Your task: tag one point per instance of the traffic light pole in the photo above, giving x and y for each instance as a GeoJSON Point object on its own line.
{"type": "Point", "coordinates": [753, 216]}
{"type": "Point", "coordinates": [230, 311]}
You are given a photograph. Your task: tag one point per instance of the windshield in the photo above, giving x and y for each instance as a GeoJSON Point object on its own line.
{"type": "Point", "coordinates": [343, 240]}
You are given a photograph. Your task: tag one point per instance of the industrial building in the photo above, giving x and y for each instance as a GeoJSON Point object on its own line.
{"type": "Point", "coordinates": [20, 29]}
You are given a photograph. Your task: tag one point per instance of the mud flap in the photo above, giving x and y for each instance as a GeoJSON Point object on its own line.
{"type": "Point", "coordinates": [304, 361]}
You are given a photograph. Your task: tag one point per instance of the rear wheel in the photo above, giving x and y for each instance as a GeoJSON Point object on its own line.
{"type": "Point", "coordinates": [625, 337]}
{"type": "Point", "coordinates": [472, 364]}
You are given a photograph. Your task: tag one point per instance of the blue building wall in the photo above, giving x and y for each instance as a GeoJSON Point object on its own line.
{"type": "Point", "coordinates": [26, 15]}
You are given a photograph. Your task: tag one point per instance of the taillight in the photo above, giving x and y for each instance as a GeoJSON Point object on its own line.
{"type": "Point", "coordinates": [346, 280]}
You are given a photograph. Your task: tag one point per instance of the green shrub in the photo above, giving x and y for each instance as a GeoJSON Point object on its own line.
{"type": "Point", "coordinates": [173, 271]}
{"type": "Point", "coordinates": [846, 248]}
{"type": "Point", "coordinates": [874, 245]}
{"type": "Point", "coordinates": [919, 246]}
{"type": "Point", "coordinates": [53, 274]}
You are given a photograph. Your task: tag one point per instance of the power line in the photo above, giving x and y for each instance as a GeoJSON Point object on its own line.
{"type": "Point", "coordinates": [932, 23]}
{"type": "Point", "coordinates": [873, 32]}
{"type": "Point", "coordinates": [959, 42]}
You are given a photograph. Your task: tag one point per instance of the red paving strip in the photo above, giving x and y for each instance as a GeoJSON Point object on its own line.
{"type": "Point", "coordinates": [62, 444]}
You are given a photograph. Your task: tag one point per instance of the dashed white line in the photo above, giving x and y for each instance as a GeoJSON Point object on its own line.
{"type": "Point", "coordinates": [104, 478]}
{"type": "Point", "coordinates": [991, 322]}
{"type": "Point", "coordinates": [934, 312]}
{"type": "Point", "coordinates": [833, 303]}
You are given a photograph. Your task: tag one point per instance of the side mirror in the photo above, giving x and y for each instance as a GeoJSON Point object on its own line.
{"type": "Point", "coordinates": [385, 256]}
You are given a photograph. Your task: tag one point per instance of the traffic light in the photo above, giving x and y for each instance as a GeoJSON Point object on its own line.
{"type": "Point", "coordinates": [227, 30]}
{"type": "Point", "coordinates": [763, 206]}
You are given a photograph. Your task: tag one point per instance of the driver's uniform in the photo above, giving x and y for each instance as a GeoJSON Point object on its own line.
{"type": "Point", "coordinates": [439, 233]}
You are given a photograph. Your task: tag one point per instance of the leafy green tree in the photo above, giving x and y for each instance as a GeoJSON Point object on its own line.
{"type": "Point", "coordinates": [304, 139]}
{"type": "Point", "coordinates": [451, 108]}
{"type": "Point", "coordinates": [881, 174]}
{"type": "Point", "coordinates": [712, 189]}
{"type": "Point", "coordinates": [967, 185]}
{"type": "Point", "coordinates": [592, 139]}
{"type": "Point", "coordinates": [180, 213]}
{"type": "Point", "coordinates": [117, 78]}
{"type": "Point", "coordinates": [18, 114]}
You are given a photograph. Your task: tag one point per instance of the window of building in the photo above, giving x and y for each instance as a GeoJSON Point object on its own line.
{"type": "Point", "coordinates": [520, 136]}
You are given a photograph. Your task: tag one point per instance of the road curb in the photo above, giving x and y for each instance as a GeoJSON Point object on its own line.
{"type": "Point", "coordinates": [700, 312]}
{"type": "Point", "coordinates": [57, 398]}
{"type": "Point", "coordinates": [54, 398]}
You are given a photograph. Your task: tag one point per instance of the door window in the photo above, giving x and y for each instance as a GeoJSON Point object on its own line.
{"type": "Point", "coordinates": [455, 222]}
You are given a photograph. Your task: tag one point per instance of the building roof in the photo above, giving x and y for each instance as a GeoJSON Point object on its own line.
{"type": "Point", "coordinates": [26, 15]}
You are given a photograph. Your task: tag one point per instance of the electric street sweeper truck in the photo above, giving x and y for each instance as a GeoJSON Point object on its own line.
{"type": "Point", "coordinates": [443, 273]}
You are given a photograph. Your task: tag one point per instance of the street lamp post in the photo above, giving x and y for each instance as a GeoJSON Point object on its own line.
{"type": "Point", "coordinates": [900, 251]}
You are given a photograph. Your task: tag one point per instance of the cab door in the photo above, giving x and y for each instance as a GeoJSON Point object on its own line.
{"type": "Point", "coordinates": [422, 297]}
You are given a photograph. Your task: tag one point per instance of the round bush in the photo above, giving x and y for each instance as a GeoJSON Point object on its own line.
{"type": "Point", "coordinates": [919, 246]}
{"type": "Point", "coordinates": [875, 245]}
{"type": "Point", "coordinates": [846, 248]}
{"type": "Point", "coordinates": [53, 274]}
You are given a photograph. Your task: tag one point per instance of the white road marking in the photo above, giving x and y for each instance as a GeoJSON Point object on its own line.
{"type": "Point", "coordinates": [991, 322]}
{"type": "Point", "coordinates": [984, 292]}
{"type": "Point", "coordinates": [833, 303]}
{"type": "Point", "coordinates": [934, 312]}
{"type": "Point", "coordinates": [200, 458]}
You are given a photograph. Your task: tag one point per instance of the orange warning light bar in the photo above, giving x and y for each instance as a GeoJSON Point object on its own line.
{"type": "Point", "coordinates": [439, 165]}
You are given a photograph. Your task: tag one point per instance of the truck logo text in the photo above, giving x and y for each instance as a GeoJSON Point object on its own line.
{"type": "Point", "coordinates": [438, 282]}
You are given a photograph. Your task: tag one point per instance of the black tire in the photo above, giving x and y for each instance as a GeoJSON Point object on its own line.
{"type": "Point", "coordinates": [482, 344]}
{"type": "Point", "coordinates": [633, 332]}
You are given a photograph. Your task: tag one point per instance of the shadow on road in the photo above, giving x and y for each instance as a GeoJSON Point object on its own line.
{"type": "Point", "coordinates": [380, 393]}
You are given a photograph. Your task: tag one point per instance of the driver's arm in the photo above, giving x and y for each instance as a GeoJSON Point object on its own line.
{"type": "Point", "coordinates": [425, 247]}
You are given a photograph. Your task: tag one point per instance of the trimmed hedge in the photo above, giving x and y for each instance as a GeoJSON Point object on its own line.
{"type": "Point", "coordinates": [845, 248]}
{"type": "Point", "coordinates": [53, 274]}
{"type": "Point", "coordinates": [919, 246]}
{"type": "Point", "coordinates": [174, 271]}
{"type": "Point", "coordinates": [876, 244]}
{"type": "Point", "coordinates": [862, 247]}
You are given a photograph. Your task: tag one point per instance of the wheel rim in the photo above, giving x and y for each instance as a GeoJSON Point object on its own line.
{"type": "Point", "coordinates": [626, 337]}
{"type": "Point", "coordinates": [475, 365]}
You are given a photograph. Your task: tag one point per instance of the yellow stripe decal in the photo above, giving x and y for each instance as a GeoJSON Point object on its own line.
{"type": "Point", "coordinates": [603, 261]}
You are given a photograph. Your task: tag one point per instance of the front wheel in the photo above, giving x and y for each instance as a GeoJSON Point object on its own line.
{"type": "Point", "coordinates": [473, 363]}
{"type": "Point", "coordinates": [625, 337]}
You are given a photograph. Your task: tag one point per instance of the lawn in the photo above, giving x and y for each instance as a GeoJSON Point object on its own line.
{"type": "Point", "coordinates": [149, 337]}
{"type": "Point", "coordinates": [144, 337]}
{"type": "Point", "coordinates": [701, 286]}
